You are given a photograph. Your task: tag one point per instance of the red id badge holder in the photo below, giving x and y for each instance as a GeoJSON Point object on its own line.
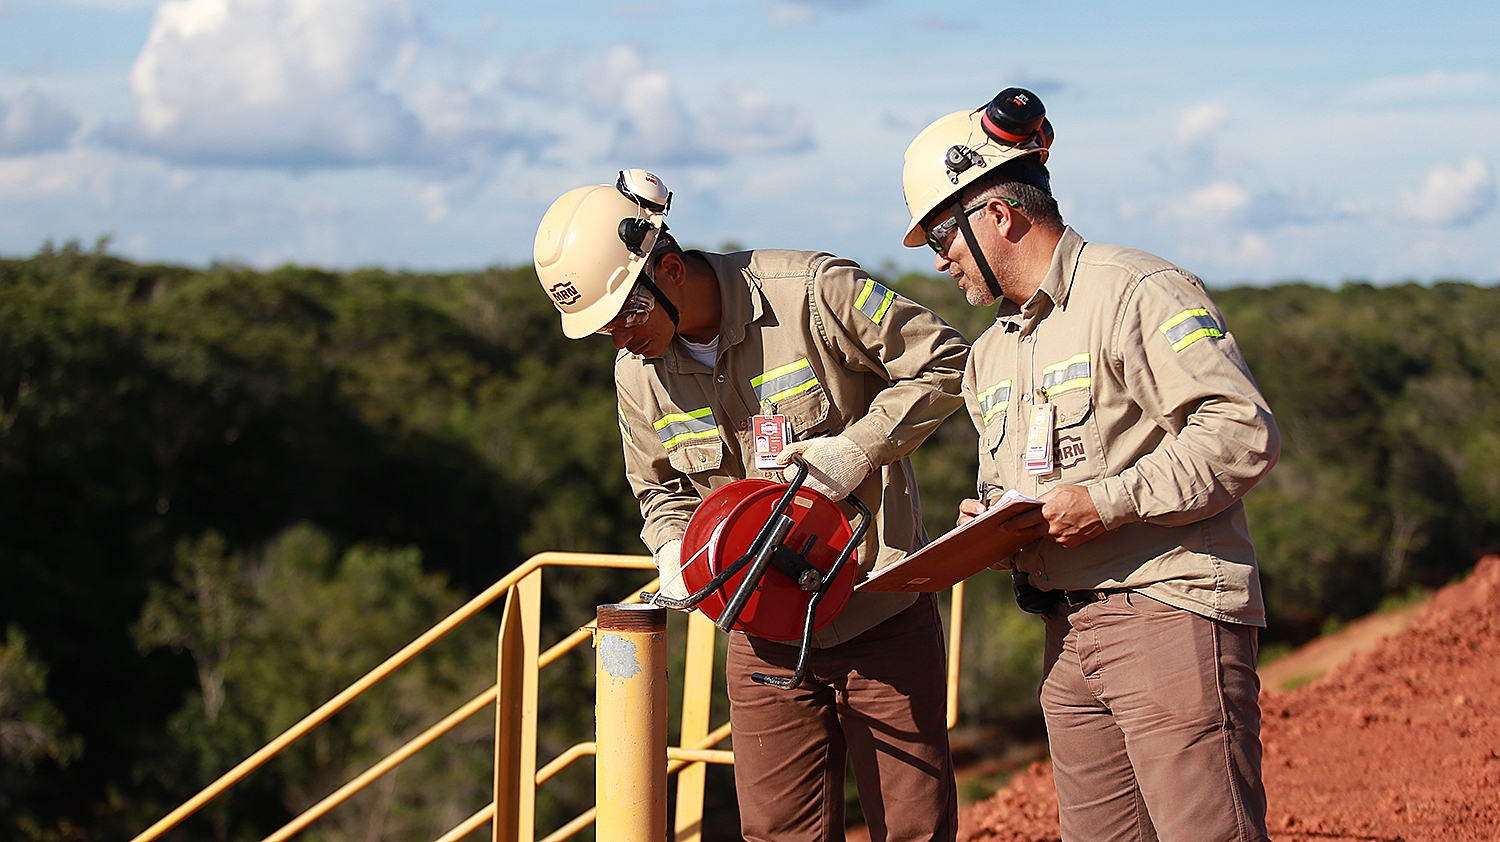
{"type": "Point", "coordinates": [772, 433]}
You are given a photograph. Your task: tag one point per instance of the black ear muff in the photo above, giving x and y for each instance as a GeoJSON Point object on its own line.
{"type": "Point", "coordinates": [633, 234]}
{"type": "Point", "coordinates": [1016, 117]}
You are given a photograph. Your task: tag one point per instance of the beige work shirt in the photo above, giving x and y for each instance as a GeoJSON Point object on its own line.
{"type": "Point", "coordinates": [1157, 415]}
{"type": "Point", "coordinates": [813, 337]}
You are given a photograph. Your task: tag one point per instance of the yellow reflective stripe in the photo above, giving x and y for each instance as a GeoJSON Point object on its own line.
{"type": "Point", "coordinates": [681, 427]}
{"type": "Point", "coordinates": [624, 425]}
{"type": "Point", "coordinates": [1072, 373]}
{"type": "Point", "coordinates": [994, 399]}
{"type": "Point", "coordinates": [783, 382]}
{"type": "Point", "coordinates": [1188, 327]}
{"type": "Point", "coordinates": [874, 300]}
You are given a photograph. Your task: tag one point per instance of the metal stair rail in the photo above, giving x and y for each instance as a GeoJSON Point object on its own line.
{"type": "Point", "coordinates": [515, 694]}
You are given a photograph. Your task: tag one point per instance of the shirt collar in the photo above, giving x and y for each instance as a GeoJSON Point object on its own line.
{"type": "Point", "coordinates": [740, 305]}
{"type": "Point", "coordinates": [1056, 286]}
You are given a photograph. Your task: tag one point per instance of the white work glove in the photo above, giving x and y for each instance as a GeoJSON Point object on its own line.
{"type": "Point", "coordinates": [835, 465]}
{"type": "Point", "coordinates": [668, 559]}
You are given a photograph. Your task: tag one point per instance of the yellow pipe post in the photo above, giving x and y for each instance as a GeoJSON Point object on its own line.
{"type": "Point", "coordinates": [631, 720]}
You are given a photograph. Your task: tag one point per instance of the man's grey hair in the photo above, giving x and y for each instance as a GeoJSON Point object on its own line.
{"type": "Point", "coordinates": [1011, 181]}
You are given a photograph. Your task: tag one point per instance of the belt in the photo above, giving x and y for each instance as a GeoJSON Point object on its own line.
{"type": "Point", "coordinates": [1078, 599]}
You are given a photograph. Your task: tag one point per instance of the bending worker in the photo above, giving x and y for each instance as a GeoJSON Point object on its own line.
{"type": "Point", "coordinates": [1110, 388]}
{"type": "Point", "coordinates": [706, 342]}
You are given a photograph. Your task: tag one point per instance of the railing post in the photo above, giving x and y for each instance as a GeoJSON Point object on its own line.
{"type": "Point", "coordinates": [516, 712]}
{"type": "Point", "coordinates": [697, 697]}
{"type": "Point", "coordinates": [631, 720]}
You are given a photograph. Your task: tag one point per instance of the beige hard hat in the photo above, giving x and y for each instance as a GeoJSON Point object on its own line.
{"type": "Point", "coordinates": [590, 249]}
{"type": "Point", "coordinates": [948, 155]}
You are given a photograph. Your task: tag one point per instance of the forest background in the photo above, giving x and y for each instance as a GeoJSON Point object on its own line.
{"type": "Point", "coordinates": [225, 494]}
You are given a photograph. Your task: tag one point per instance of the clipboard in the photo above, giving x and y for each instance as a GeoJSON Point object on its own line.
{"type": "Point", "coordinates": [959, 553]}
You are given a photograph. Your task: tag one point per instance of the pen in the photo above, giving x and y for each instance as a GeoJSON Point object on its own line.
{"type": "Point", "coordinates": [984, 493]}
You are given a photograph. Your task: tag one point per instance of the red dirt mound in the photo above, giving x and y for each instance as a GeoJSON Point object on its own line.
{"type": "Point", "coordinates": [1401, 742]}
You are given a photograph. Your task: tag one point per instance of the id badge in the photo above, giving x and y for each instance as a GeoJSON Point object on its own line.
{"type": "Point", "coordinates": [772, 432]}
{"type": "Point", "coordinates": [1039, 439]}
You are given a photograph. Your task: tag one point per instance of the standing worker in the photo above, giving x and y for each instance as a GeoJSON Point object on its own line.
{"type": "Point", "coordinates": [708, 341]}
{"type": "Point", "coordinates": [1110, 389]}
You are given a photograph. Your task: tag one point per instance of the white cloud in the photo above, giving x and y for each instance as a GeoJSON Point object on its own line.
{"type": "Point", "coordinates": [793, 13]}
{"type": "Point", "coordinates": [298, 84]}
{"type": "Point", "coordinates": [642, 114]}
{"type": "Point", "coordinates": [1220, 200]}
{"type": "Point", "coordinates": [1453, 198]}
{"type": "Point", "coordinates": [34, 122]}
{"type": "Point", "coordinates": [1200, 124]}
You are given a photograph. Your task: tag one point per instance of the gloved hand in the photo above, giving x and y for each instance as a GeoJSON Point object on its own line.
{"type": "Point", "coordinates": [835, 465]}
{"type": "Point", "coordinates": [668, 559]}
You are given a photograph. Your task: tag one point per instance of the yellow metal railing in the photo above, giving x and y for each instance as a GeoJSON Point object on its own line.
{"type": "Point", "coordinates": [519, 662]}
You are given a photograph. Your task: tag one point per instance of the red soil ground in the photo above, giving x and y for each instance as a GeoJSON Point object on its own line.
{"type": "Point", "coordinates": [1398, 741]}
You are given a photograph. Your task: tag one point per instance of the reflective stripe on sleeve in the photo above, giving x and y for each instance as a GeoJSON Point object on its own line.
{"type": "Point", "coordinates": [994, 399]}
{"type": "Point", "coordinates": [781, 383]}
{"type": "Point", "coordinates": [1067, 375]}
{"type": "Point", "coordinates": [624, 425]}
{"type": "Point", "coordinates": [1188, 327]}
{"type": "Point", "coordinates": [698, 424]}
{"type": "Point", "coordinates": [874, 300]}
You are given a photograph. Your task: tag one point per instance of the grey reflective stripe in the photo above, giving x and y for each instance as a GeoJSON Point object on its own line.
{"type": "Point", "coordinates": [624, 425]}
{"type": "Point", "coordinates": [994, 399]}
{"type": "Point", "coordinates": [698, 424]}
{"type": "Point", "coordinates": [1188, 327]}
{"type": "Point", "coordinates": [783, 382]}
{"type": "Point", "coordinates": [874, 300]}
{"type": "Point", "coordinates": [1072, 373]}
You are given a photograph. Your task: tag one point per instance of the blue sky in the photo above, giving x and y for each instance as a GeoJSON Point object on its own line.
{"type": "Point", "coordinates": [1259, 143]}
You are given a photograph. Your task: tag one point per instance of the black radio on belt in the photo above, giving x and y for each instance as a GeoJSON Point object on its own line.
{"type": "Point", "coordinates": [1033, 600]}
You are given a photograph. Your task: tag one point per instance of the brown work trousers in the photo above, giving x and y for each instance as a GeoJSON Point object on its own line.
{"type": "Point", "coordinates": [878, 699]}
{"type": "Point", "coordinates": [1153, 719]}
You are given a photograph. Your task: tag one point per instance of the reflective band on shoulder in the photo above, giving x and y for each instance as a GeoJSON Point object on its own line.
{"type": "Point", "coordinates": [994, 399]}
{"type": "Point", "coordinates": [1188, 327]}
{"type": "Point", "coordinates": [781, 383]}
{"type": "Point", "coordinates": [698, 424]}
{"type": "Point", "coordinates": [874, 300]}
{"type": "Point", "coordinates": [1067, 375]}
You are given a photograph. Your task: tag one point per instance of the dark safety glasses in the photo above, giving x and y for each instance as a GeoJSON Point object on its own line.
{"type": "Point", "coordinates": [938, 235]}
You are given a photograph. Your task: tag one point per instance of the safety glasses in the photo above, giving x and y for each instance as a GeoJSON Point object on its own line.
{"type": "Point", "coordinates": [938, 235]}
{"type": "Point", "coordinates": [637, 309]}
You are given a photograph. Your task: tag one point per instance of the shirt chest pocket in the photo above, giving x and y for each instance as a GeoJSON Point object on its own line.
{"type": "Point", "coordinates": [691, 440]}
{"type": "Point", "coordinates": [994, 407]}
{"type": "Point", "coordinates": [1076, 450]}
{"type": "Point", "coordinates": [793, 390]}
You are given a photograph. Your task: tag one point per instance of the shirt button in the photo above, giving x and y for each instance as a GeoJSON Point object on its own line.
{"type": "Point", "coordinates": [720, 378]}
{"type": "Point", "coordinates": [798, 419]}
{"type": "Point", "coordinates": [703, 457]}
{"type": "Point", "coordinates": [744, 425]}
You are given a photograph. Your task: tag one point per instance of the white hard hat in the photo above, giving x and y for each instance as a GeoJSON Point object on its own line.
{"type": "Point", "coordinates": [592, 245]}
{"type": "Point", "coordinates": [954, 151]}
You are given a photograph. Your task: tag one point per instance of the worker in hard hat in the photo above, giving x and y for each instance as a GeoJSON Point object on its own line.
{"type": "Point", "coordinates": [707, 342]}
{"type": "Point", "coordinates": [1110, 388]}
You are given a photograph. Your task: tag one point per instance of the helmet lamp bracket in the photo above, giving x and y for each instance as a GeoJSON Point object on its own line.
{"type": "Point", "coordinates": [959, 159]}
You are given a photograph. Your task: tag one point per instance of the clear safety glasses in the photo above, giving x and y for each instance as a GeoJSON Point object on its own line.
{"type": "Point", "coordinates": [637, 309]}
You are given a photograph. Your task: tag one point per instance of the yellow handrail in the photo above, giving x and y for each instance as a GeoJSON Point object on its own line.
{"type": "Point", "coordinates": [510, 814]}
